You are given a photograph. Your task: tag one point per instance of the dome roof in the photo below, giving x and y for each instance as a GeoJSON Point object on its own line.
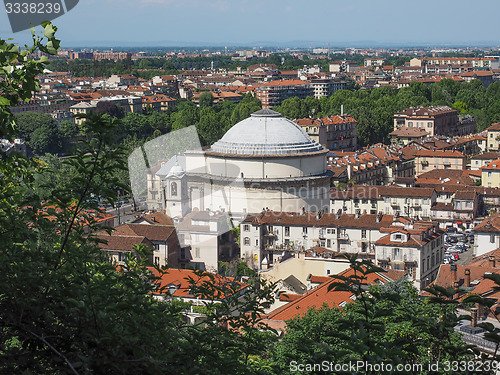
{"type": "Point", "coordinates": [176, 171]}
{"type": "Point", "coordinates": [266, 132]}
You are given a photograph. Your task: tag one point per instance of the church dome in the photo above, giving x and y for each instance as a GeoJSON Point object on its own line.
{"type": "Point", "coordinates": [176, 171]}
{"type": "Point", "coordinates": [266, 132]}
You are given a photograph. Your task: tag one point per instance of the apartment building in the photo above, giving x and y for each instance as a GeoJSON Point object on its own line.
{"type": "Point", "coordinates": [487, 234]}
{"type": "Point", "coordinates": [272, 94]}
{"type": "Point", "coordinates": [435, 120]}
{"type": "Point", "coordinates": [394, 200]}
{"type": "Point", "coordinates": [482, 160]}
{"type": "Point", "coordinates": [427, 160]}
{"type": "Point", "coordinates": [474, 62]}
{"type": "Point", "coordinates": [415, 247]}
{"type": "Point", "coordinates": [490, 174]}
{"type": "Point", "coordinates": [267, 237]}
{"type": "Point", "coordinates": [326, 87]}
{"type": "Point", "coordinates": [161, 239]}
{"type": "Point", "coordinates": [333, 132]}
{"type": "Point", "coordinates": [493, 137]}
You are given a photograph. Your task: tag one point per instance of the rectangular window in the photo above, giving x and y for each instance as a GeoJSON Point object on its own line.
{"type": "Point", "coordinates": [157, 261]}
{"type": "Point", "coordinates": [492, 238]}
{"type": "Point", "coordinates": [363, 233]}
{"type": "Point", "coordinates": [246, 228]}
{"type": "Point", "coordinates": [328, 243]}
{"type": "Point", "coordinates": [183, 253]}
{"type": "Point", "coordinates": [287, 231]}
{"type": "Point", "coordinates": [197, 252]}
{"type": "Point", "coordinates": [304, 230]}
{"type": "Point", "coordinates": [256, 242]}
{"type": "Point", "coordinates": [246, 241]}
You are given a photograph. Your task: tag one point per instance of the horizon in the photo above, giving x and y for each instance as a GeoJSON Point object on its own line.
{"type": "Point", "coordinates": [192, 23]}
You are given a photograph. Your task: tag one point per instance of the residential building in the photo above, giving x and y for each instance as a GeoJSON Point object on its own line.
{"type": "Point", "coordinates": [427, 160]}
{"type": "Point", "coordinates": [158, 102]}
{"type": "Point", "coordinates": [487, 234]}
{"type": "Point", "coordinates": [82, 108]}
{"type": "Point", "coordinates": [436, 120]}
{"type": "Point", "coordinates": [272, 94]}
{"type": "Point", "coordinates": [333, 132]}
{"type": "Point", "coordinates": [493, 137]}
{"type": "Point", "coordinates": [322, 294]}
{"type": "Point", "coordinates": [482, 160]}
{"type": "Point", "coordinates": [205, 240]}
{"type": "Point", "coordinates": [155, 231]}
{"type": "Point", "coordinates": [413, 247]}
{"type": "Point", "coordinates": [490, 174]}
{"type": "Point", "coordinates": [326, 87]}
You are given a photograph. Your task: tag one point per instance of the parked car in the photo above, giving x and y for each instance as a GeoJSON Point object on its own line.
{"type": "Point", "coordinates": [451, 230]}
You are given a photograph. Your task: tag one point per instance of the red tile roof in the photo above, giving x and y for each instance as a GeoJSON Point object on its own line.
{"type": "Point", "coordinates": [180, 279]}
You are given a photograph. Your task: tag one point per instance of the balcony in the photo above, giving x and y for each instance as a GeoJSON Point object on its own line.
{"type": "Point", "coordinates": [394, 203]}
{"type": "Point", "coordinates": [343, 236]}
{"type": "Point", "coordinates": [271, 233]}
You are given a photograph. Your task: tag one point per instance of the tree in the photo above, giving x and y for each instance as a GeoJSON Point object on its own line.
{"type": "Point", "coordinates": [384, 324]}
{"type": "Point", "coordinates": [64, 308]}
{"type": "Point", "coordinates": [39, 131]}
{"type": "Point", "coordinates": [206, 99]}
{"type": "Point", "coordinates": [110, 108]}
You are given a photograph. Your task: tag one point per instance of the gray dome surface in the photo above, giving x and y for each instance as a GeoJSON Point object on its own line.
{"type": "Point", "coordinates": [266, 132]}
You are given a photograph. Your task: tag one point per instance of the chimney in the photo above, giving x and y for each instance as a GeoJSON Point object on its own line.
{"type": "Point", "coordinates": [491, 261]}
{"type": "Point", "coordinates": [467, 277]}
{"type": "Point", "coordinates": [453, 269]}
{"type": "Point", "coordinates": [473, 312]}
{"type": "Point", "coordinates": [319, 214]}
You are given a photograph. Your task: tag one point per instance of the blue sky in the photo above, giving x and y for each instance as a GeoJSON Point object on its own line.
{"type": "Point", "coordinates": [254, 22]}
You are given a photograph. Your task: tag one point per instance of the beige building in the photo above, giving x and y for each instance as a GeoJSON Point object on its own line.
{"type": "Point", "coordinates": [427, 160]}
{"type": "Point", "coordinates": [493, 137]}
{"type": "Point", "coordinates": [490, 174]}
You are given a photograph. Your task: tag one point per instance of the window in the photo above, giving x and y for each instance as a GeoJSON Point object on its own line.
{"type": "Point", "coordinates": [363, 233]}
{"type": "Point", "coordinates": [157, 246]}
{"type": "Point", "coordinates": [304, 230]}
{"type": "Point", "coordinates": [256, 242]}
{"type": "Point", "coordinates": [246, 228]}
{"type": "Point", "coordinates": [429, 124]}
{"type": "Point", "coordinates": [328, 243]}
{"type": "Point", "coordinates": [246, 241]}
{"type": "Point", "coordinates": [287, 231]}
{"type": "Point", "coordinates": [173, 189]}
{"type": "Point", "coordinates": [157, 261]}
{"type": "Point", "coordinates": [197, 252]}
{"type": "Point", "coordinates": [121, 257]}
{"type": "Point", "coordinates": [492, 238]}
{"type": "Point", "coordinates": [183, 253]}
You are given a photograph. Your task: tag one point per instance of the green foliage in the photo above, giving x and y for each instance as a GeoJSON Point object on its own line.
{"type": "Point", "coordinates": [40, 132]}
{"type": "Point", "coordinates": [64, 308]}
{"type": "Point", "coordinates": [384, 324]}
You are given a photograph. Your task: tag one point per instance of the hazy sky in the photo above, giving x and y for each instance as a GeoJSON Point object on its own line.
{"type": "Point", "coordinates": [220, 22]}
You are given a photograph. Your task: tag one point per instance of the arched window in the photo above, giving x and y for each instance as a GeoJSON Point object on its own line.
{"type": "Point", "coordinates": [173, 189]}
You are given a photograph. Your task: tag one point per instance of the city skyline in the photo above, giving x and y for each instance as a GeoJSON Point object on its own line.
{"type": "Point", "coordinates": [258, 23]}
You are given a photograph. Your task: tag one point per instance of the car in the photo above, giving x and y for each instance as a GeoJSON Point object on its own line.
{"type": "Point", "coordinates": [455, 256]}
{"type": "Point", "coordinates": [451, 230]}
